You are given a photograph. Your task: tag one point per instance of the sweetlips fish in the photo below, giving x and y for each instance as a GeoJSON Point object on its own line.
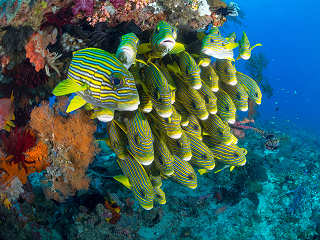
{"type": "Point", "coordinates": [244, 47]}
{"type": "Point", "coordinates": [163, 41]}
{"type": "Point", "coordinates": [162, 155]}
{"type": "Point", "coordinates": [216, 46]}
{"type": "Point", "coordinates": [7, 113]}
{"type": "Point", "coordinates": [193, 128]}
{"type": "Point", "coordinates": [184, 173]}
{"type": "Point", "coordinates": [226, 107]}
{"type": "Point", "coordinates": [202, 156]}
{"type": "Point", "coordinates": [231, 37]}
{"type": "Point", "coordinates": [209, 98]}
{"type": "Point", "coordinates": [171, 124]}
{"type": "Point", "coordinates": [117, 140]}
{"type": "Point", "coordinates": [250, 86]}
{"type": "Point", "coordinates": [228, 154]}
{"type": "Point", "coordinates": [140, 138]}
{"type": "Point", "coordinates": [183, 113]}
{"type": "Point", "coordinates": [226, 71]}
{"type": "Point", "coordinates": [160, 195]}
{"type": "Point", "coordinates": [180, 147]}
{"type": "Point", "coordinates": [217, 131]}
{"type": "Point", "coordinates": [158, 88]}
{"type": "Point", "coordinates": [192, 101]}
{"type": "Point", "coordinates": [99, 78]}
{"type": "Point", "coordinates": [145, 100]}
{"type": "Point", "coordinates": [136, 179]}
{"type": "Point", "coordinates": [127, 49]}
{"type": "Point", "coordinates": [172, 85]}
{"type": "Point", "coordinates": [210, 77]}
{"type": "Point", "coordinates": [238, 95]}
{"type": "Point", "coordinates": [156, 182]}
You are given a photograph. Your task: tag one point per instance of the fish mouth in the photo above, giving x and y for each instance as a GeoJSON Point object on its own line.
{"type": "Point", "coordinates": [215, 89]}
{"type": "Point", "coordinates": [204, 116]}
{"type": "Point", "coordinates": [147, 110]}
{"type": "Point", "coordinates": [231, 121]}
{"type": "Point", "coordinates": [193, 186]}
{"type": "Point", "coordinates": [197, 86]}
{"type": "Point", "coordinates": [214, 111]}
{"type": "Point", "coordinates": [184, 124]}
{"type": "Point", "coordinates": [130, 106]}
{"type": "Point", "coordinates": [175, 135]}
{"type": "Point", "coordinates": [187, 158]}
{"type": "Point", "coordinates": [167, 43]}
{"type": "Point", "coordinates": [166, 114]}
{"type": "Point", "coordinates": [233, 83]}
{"type": "Point", "coordinates": [223, 54]}
{"type": "Point", "coordinates": [146, 162]}
{"type": "Point", "coordinates": [169, 173]}
{"type": "Point", "coordinates": [105, 118]}
{"type": "Point", "coordinates": [147, 207]}
{"type": "Point", "coordinates": [244, 109]}
{"type": "Point", "coordinates": [210, 168]}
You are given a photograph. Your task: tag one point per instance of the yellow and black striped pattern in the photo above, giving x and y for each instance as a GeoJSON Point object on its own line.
{"type": "Point", "coordinates": [226, 107]}
{"type": "Point", "coordinates": [209, 98]}
{"type": "Point", "coordinates": [226, 71]}
{"type": "Point", "coordinates": [194, 127]}
{"type": "Point", "coordinates": [184, 173]}
{"type": "Point", "coordinates": [210, 77]}
{"type": "Point", "coordinates": [190, 70]}
{"type": "Point", "coordinates": [238, 95]}
{"type": "Point", "coordinates": [250, 86]}
{"type": "Point", "coordinates": [180, 147]}
{"type": "Point", "coordinates": [118, 140]}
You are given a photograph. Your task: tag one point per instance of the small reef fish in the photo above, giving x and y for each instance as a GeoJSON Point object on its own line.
{"type": "Point", "coordinates": [194, 127]}
{"type": "Point", "coordinates": [209, 98]}
{"type": "Point", "coordinates": [210, 77]}
{"type": "Point", "coordinates": [145, 100]}
{"type": "Point", "coordinates": [158, 88]}
{"type": "Point", "coordinates": [180, 147]}
{"type": "Point", "coordinates": [99, 78]}
{"type": "Point", "coordinates": [140, 138]}
{"type": "Point", "coordinates": [117, 140]}
{"type": "Point", "coordinates": [7, 113]}
{"type": "Point", "coordinates": [184, 173]}
{"type": "Point", "coordinates": [231, 37]}
{"type": "Point", "coordinates": [172, 85]}
{"type": "Point", "coordinates": [183, 113]}
{"type": "Point", "coordinates": [216, 46]}
{"type": "Point", "coordinates": [127, 49]}
{"type": "Point", "coordinates": [192, 101]}
{"type": "Point", "coordinates": [229, 154]}
{"type": "Point", "coordinates": [238, 95]}
{"type": "Point", "coordinates": [136, 179]}
{"type": "Point", "coordinates": [163, 41]}
{"type": "Point", "coordinates": [202, 156]}
{"type": "Point", "coordinates": [244, 47]}
{"type": "Point", "coordinates": [226, 71]}
{"type": "Point", "coordinates": [250, 86]}
{"type": "Point", "coordinates": [226, 107]}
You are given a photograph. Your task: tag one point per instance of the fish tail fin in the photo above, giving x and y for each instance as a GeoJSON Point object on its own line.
{"type": "Point", "coordinates": [256, 45]}
{"type": "Point", "coordinates": [75, 103]}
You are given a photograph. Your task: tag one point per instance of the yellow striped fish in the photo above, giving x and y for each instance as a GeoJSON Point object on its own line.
{"type": "Point", "coordinates": [160, 195]}
{"type": "Point", "coordinates": [202, 156]}
{"type": "Point", "coordinates": [137, 180]}
{"type": "Point", "coordinates": [99, 78]}
{"type": "Point", "coordinates": [190, 70]}
{"type": "Point", "coordinates": [127, 49]}
{"type": "Point", "coordinates": [158, 89]}
{"type": "Point", "coordinates": [163, 38]}
{"type": "Point", "coordinates": [218, 131]}
{"type": "Point", "coordinates": [192, 101]}
{"type": "Point", "coordinates": [184, 173]}
{"type": "Point", "coordinates": [210, 77]}
{"type": "Point", "coordinates": [244, 47]}
{"type": "Point", "coordinates": [229, 154]}
{"type": "Point", "coordinates": [180, 147]}
{"type": "Point", "coordinates": [250, 86]}
{"type": "Point", "coordinates": [102, 114]}
{"type": "Point", "coordinates": [183, 113]}
{"type": "Point", "coordinates": [140, 138]}
{"type": "Point", "coordinates": [194, 127]}
{"type": "Point", "coordinates": [145, 100]}
{"type": "Point", "coordinates": [226, 71]}
{"type": "Point", "coordinates": [226, 107]}
{"type": "Point", "coordinates": [216, 46]}
{"type": "Point", "coordinates": [238, 95]}
{"type": "Point", "coordinates": [171, 124]}
{"type": "Point", "coordinates": [118, 140]}
{"type": "Point", "coordinates": [170, 80]}
{"type": "Point", "coordinates": [209, 98]}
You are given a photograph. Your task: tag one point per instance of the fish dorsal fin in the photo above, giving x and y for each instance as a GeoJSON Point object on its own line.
{"type": "Point", "coordinates": [144, 48]}
{"type": "Point", "coordinates": [75, 103]}
{"type": "Point", "coordinates": [68, 86]}
{"type": "Point", "coordinates": [256, 45]}
{"type": "Point", "coordinates": [121, 126]}
{"type": "Point", "coordinates": [178, 48]}
{"type": "Point", "coordinates": [123, 180]}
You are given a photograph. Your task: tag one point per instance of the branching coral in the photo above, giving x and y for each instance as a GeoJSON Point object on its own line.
{"type": "Point", "coordinates": [71, 148]}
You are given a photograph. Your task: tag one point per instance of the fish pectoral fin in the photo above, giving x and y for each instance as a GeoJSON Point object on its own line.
{"type": "Point", "coordinates": [75, 103]}
{"type": "Point", "coordinates": [256, 45]}
{"type": "Point", "coordinates": [68, 86]}
{"type": "Point", "coordinates": [231, 45]}
{"type": "Point", "coordinates": [144, 48]}
{"type": "Point", "coordinates": [123, 180]}
{"type": "Point", "coordinates": [178, 48]}
{"type": "Point", "coordinates": [202, 171]}
{"type": "Point", "coordinates": [10, 123]}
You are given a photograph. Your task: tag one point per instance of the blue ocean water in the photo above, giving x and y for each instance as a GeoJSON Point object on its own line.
{"type": "Point", "coordinates": [287, 30]}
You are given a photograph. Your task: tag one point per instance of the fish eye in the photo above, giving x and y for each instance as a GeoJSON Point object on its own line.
{"type": "Point", "coordinates": [211, 40]}
{"type": "Point", "coordinates": [157, 29]}
{"type": "Point", "coordinates": [203, 156]}
{"type": "Point", "coordinates": [160, 160]}
{"type": "Point", "coordinates": [142, 193]}
{"type": "Point", "coordinates": [136, 139]}
{"type": "Point", "coordinates": [190, 177]}
{"type": "Point", "coordinates": [178, 144]}
{"type": "Point", "coordinates": [220, 133]}
{"type": "Point", "coordinates": [116, 81]}
{"type": "Point", "coordinates": [227, 108]}
{"type": "Point", "coordinates": [256, 94]}
{"type": "Point", "coordinates": [166, 120]}
{"type": "Point", "coordinates": [206, 98]}
{"type": "Point", "coordinates": [193, 104]}
{"type": "Point", "coordinates": [235, 155]}
{"type": "Point", "coordinates": [238, 96]}
{"type": "Point", "coordinates": [155, 95]}
{"type": "Point", "coordinates": [195, 127]}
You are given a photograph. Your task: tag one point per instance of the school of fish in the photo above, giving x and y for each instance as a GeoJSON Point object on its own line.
{"type": "Point", "coordinates": [167, 110]}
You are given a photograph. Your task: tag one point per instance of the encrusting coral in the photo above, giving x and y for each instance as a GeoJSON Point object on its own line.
{"type": "Point", "coordinates": [71, 148]}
